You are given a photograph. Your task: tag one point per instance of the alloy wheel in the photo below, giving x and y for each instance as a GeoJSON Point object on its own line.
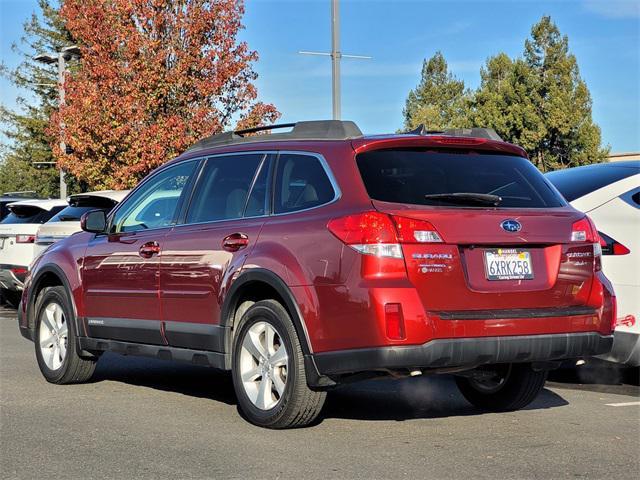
{"type": "Point", "coordinates": [53, 336]}
{"type": "Point", "coordinates": [263, 365]}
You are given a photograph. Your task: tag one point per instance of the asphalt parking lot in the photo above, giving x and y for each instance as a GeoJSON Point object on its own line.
{"type": "Point", "coordinates": [145, 418]}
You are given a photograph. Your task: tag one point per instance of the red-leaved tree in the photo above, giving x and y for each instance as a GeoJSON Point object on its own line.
{"type": "Point", "coordinates": [154, 76]}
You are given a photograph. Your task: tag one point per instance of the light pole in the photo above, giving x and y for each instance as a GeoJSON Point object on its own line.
{"type": "Point", "coordinates": [336, 55]}
{"type": "Point", "coordinates": [61, 58]}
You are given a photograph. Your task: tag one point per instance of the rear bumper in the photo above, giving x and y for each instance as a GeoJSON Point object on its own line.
{"type": "Point", "coordinates": [465, 352]}
{"type": "Point", "coordinates": [625, 350]}
{"type": "Point", "coordinates": [9, 280]}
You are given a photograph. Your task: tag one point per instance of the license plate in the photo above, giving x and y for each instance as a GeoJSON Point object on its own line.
{"type": "Point", "coordinates": [508, 264]}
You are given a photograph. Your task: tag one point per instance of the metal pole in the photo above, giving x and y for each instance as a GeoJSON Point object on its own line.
{"type": "Point", "coordinates": [335, 57]}
{"type": "Point", "coordinates": [63, 146]}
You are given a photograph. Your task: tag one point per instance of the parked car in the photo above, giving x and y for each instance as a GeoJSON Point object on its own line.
{"type": "Point", "coordinates": [17, 241]}
{"type": "Point", "coordinates": [305, 259]}
{"type": "Point", "coordinates": [610, 194]}
{"type": "Point", "coordinates": [67, 221]}
{"type": "Point", "coordinates": [11, 197]}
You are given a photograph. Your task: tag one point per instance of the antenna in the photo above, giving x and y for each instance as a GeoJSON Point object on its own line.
{"type": "Point", "coordinates": [336, 55]}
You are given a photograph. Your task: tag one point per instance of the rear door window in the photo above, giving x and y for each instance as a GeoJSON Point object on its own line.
{"type": "Point", "coordinates": [223, 187]}
{"type": "Point", "coordinates": [436, 178]}
{"type": "Point", "coordinates": [301, 183]}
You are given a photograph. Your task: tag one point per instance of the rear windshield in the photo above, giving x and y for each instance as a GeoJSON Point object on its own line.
{"type": "Point", "coordinates": [576, 182]}
{"type": "Point", "coordinates": [80, 206]}
{"type": "Point", "coordinates": [29, 214]}
{"type": "Point", "coordinates": [411, 175]}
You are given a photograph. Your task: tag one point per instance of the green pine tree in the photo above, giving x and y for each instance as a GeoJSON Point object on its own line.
{"type": "Point", "coordinates": [25, 145]}
{"type": "Point", "coordinates": [439, 101]}
{"type": "Point", "coordinates": [540, 102]}
{"type": "Point", "coordinates": [564, 105]}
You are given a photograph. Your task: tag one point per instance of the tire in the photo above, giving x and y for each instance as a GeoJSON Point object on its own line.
{"type": "Point", "coordinates": [274, 393]}
{"type": "Point", "coordinates": [55, 334]}
{"type": "Point", "coordinates": [517, 387]}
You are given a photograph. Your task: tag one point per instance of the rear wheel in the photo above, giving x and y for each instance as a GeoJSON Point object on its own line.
{"type": "Point", "coordinates": [55, 340]}
{"type": "Point", "coordinates": [268, 370]}
{"type": "Point", "coordinates": [502, 388]}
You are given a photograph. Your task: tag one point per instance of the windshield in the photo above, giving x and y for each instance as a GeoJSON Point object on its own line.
{"type": "Point", "coordinates": [29, 214]}
{"type": "Point", "coordinates": [455, 178]}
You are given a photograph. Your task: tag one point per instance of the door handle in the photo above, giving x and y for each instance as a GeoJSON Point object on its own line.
{"type": "Point", "coordinates": [149, 249]}
{"type": "Point", "coordinates": [235, 242]}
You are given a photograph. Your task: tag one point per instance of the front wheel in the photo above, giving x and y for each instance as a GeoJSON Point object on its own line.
{"type": "Point", "coordinates": [501, 388]}
{"type": "Point", "coordinates": [268, 370]}
{"type": "Point", "coordinates": [55, 340]}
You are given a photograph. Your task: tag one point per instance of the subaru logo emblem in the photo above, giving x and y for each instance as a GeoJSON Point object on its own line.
{"type": "Point", "coordinates": [511, 226]}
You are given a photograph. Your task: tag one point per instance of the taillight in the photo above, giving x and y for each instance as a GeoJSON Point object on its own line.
{"type": "Point", "coordinates": [415, 231]}
{"type": "Point", "coordinates": [584, 231]}
{"type": "Point", "coordinates": [611, 247]}
{"type": "Point", "coordinates": [379, 234]}
{"type": "Point", "coordinates": [25, 238]}
{"type": "Point", "coordinates": [370, 233]}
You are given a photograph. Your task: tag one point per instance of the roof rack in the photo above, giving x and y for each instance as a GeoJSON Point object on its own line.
{"type": "Point", "coordinates": [309, 130]}
{"type": "Point", "coordinates": [488, 133]}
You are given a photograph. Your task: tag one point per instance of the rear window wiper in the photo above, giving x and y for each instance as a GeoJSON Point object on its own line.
{"type": "Point", "coordinates": [466, 197]}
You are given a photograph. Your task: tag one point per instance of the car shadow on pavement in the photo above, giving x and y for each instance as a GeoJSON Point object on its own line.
{"type": "Point", "coordinates": [192, 380]}
{"type": "Point", "coordinates": [386, 399]}
{"type": "Point", "coordinates": [411, 398]}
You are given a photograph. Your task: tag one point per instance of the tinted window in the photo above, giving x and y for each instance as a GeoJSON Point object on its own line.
{"type": "Point", "coordinates": [301, 182]}
{"type": "Point", "coordinates": [80, 206]}
{"type": "Point", "coordinates": [257, 202]}
{"type": "Point", "coordinates": [154, 204]}
{"type": "Point", "coordinates": [28, 214]}
{"type": "Point", "coordinates": [407, 175]}
{"type": "Point", "coordinates": [576, 182]}
{"type": "Point", "coordinates": [222, 189]}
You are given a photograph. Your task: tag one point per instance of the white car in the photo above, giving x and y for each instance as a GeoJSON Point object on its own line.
{"type": "Point", "coordinates": [67, 221]}
{"type": "Point", "coordinates": [17, 241]}
{"type": "Point", "coordinates": [610, 194]}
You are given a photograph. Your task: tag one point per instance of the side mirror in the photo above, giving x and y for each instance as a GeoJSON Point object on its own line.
{"type": "Point", "coordinates": [94, 221]}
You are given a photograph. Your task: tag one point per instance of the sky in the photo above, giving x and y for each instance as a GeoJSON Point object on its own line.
{"type": "Point", "coordinates": [604, 35]}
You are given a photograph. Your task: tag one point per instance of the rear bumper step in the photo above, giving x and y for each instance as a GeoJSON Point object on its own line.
{"type": "Point", "coordinates": [465, 352]}
{"type": "Point", "coordinates": [515, 313]}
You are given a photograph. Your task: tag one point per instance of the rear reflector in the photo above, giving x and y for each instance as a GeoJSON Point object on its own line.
{"type": "Point", "coordinates": [19, 270]}
{"type": "Point", "coordinates": [25, 238]}
{"type": "Point", "coordinates": [394, 320]}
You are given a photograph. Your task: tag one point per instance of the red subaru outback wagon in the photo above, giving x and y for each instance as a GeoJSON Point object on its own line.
{"type": "Point", "coordinates": [305, 259]}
